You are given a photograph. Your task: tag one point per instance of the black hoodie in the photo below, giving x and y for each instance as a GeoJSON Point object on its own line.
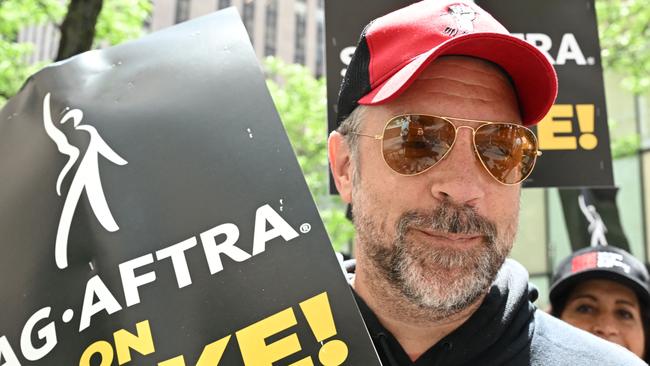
{"type": "Point", "coordinates": [507, 329]}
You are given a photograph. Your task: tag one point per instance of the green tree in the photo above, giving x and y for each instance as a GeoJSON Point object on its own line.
{"type": "Point", "coordinates": [624, 32]}
{"type": "Point", "coordinates": [14, 15]}
{"type": "Point", "coordinates": [301, 102]}
{"type": "Point", "coordinates": [624, 27]}
{"type": "Point", "coordinates": [84, 24]}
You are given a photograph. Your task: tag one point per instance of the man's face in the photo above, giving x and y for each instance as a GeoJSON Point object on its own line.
{"type": "Point", "coordinates": [437, 238]}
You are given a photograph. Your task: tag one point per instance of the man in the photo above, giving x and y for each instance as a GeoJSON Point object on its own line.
{"type": "Point", "coordinates": [434, 186]}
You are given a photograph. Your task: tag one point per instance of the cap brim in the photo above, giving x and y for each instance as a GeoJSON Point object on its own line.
{"type": "Point", "coordinates": [559, 289]}
{"type": "Point", "coordinates": [533, 76]}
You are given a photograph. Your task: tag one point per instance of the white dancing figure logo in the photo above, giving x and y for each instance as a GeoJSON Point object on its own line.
{"type": "Point", "coordinates": [86, 178]}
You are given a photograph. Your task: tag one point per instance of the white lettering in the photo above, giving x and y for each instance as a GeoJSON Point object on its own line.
{"type": "Point", "coordinates": [570, 50]}
{"type": "Point", "coordinates": [177, 253]}
{"type": "Point", "coordinates": [611, 260]}
{"type": "Point", "coordinates": [213, 250]}
{"type": "Point", "coordinates": [131, 282]}
{"type": "Point", "coordinates": [47, 333]}
{"type": "Point", "coordinates": [105, 301]}
{"type": "Point", "coordinates": [346, 56]}
{"type": "Point", "coordinates": [266, 214]}
{"type": "Point", "coordinates": [7, 353]}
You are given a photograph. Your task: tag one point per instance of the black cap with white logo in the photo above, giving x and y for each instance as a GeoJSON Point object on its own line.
{"type": "Point", "coordinates": [601, 262]}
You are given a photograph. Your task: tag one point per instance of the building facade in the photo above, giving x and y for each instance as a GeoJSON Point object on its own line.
{"type": "Point", "coordinates": [292, 30]}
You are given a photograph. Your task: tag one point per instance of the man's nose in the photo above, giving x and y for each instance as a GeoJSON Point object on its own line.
{"type": "Point", "coordinates": [460, 177]}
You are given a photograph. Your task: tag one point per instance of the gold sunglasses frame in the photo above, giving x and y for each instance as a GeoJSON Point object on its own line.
{"type": "Point", "coordinates": [538, 153]}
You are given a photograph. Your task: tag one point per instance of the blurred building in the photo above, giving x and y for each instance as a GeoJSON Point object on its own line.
{"type": "Point", "coordinates": [292, 30]}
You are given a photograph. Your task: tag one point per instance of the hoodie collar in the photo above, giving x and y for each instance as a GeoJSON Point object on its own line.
{"type": "Point", "coordinates": [499, 331]}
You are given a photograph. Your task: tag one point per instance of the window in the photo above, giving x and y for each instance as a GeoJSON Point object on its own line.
{"type": "Point", "coordinates": [249, 18]}
{"type": "Point", "coordinates": [270, 36]}
{"type": "Point", "coordinates": [182, 10]}
{"type": "Point", "coordinates": [299, 41]}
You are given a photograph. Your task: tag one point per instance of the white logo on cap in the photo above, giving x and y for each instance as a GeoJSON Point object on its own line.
{"type": "Point", "coordinates": [611, 260]}
{"type": "Point", "coordinates": [463, 16]}
{"type": "Point", "coordinates": [86, 178]}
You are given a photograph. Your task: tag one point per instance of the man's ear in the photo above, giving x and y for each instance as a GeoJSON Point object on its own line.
{"type": "Point", "coordinates": [341, 165]}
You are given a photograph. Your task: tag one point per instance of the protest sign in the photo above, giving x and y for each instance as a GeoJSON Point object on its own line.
{"type": "Point", "coordinates": [153, 213]}
{"type": "Point", "coordinates": [574, 136]}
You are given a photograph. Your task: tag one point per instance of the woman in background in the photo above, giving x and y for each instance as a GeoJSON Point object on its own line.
{"type": "Point", "coordinates": [604, 290]}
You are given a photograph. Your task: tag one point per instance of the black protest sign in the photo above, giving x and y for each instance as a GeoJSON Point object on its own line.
{"type": "Point", "coordinates": [153, 213]}
{"type": "Point", "coordinates": [573, 137]}
{"type": "Point", "coordinates": [344, 22]}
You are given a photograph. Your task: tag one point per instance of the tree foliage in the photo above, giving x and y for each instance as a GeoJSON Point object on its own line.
{"type": "Point", "coordinates": [14, 16]}
{"type": "Point", "coordinates": [624, 27]}
{"type": "Point", "coordinates": [121, 20]}
{"type": "Point", "coordinates": [118, 21]}
{"type": "Point", "coordinates": [302, 103]}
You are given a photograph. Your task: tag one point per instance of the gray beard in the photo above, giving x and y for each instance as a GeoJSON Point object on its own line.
{"type": "Point", "coordinates": [437, 282]}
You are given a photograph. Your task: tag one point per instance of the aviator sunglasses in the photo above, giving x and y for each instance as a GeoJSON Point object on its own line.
{"type": "Point", "coordinates": [411, 144]}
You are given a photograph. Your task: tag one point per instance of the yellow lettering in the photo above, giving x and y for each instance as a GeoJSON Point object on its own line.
{"type": "Point", "coordinates": [304, 362]}
{"type": "Point", "coordinates": [142, 343]}
{"type": "Point", "coordinates": [557, 121]}
{"type": "Point", "coordinates": [255, 351]}
{"type": "Point", "coordinates": [103, 348]}
{"type": "Point", "coordinates": [212, 353]}
{"type": "Point", "coordinates": [587, 120]}
{"type": "Point", "coordinates": [176, 361]}
{"type": "Point", "coordinates": [318, 313]}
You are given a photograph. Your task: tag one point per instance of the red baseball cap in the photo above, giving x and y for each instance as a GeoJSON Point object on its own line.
{"type": "Point", "coordinates": [395, 48]}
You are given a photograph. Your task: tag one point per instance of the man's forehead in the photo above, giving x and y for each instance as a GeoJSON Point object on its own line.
{"type": "Point", "coordinates": [454, 65]}
{"type": "Point", "coordinates": [456, 85]}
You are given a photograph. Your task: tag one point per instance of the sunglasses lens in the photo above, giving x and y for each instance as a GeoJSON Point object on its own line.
{"type": "Point", "coordinates": [414, 143]}
{"type": "Point", "coordinates": [507, 151]}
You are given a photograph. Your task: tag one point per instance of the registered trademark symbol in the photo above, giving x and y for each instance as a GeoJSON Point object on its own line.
{"type": "Point", "coordinates": [591, 61]}
{"type": "Point", "coordinates": [305, 228]}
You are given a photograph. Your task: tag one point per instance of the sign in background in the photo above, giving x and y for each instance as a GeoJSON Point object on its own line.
{"type": "Point", "coordinates": [592, 218]}
{"type": "Point", "coordinates": [574, 136]}
{"type": "Point", "coordinates": [153, 213]}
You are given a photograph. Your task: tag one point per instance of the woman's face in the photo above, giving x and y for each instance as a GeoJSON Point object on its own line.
{"type": "Point", "coordinates": [609, 310]}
